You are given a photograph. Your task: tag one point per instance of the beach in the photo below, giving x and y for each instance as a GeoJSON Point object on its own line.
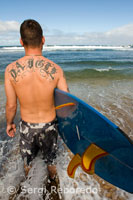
{"type": "Point", "coordinates": [102, 76]}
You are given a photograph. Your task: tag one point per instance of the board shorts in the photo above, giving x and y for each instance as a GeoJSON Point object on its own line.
{"type": "Point", "coordinates": [38, 136]}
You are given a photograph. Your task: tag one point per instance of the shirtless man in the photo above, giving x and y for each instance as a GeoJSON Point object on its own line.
{"type": "Point", "coordinates": [32, 80]}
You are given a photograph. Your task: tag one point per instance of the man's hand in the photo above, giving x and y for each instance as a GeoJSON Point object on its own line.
{"type": "Point", "coordinates": [11, 129]}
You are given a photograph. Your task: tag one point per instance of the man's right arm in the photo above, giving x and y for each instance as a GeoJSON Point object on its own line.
{"type": "Point", "coordinates": [62, 84]}
{"type": "Point", "coordinates": [11, 104]}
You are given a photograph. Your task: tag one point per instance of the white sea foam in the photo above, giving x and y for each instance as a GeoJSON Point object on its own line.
{"type": "Point", "coordinates": [4, 49]}
{"type": "Point", "coordinates": [110, 68]}
{"type": "Point", "coordinates": [38, 173]}
{"type": "Point", "coordinates": [105, 69]}
{"type": "Point", "coordinates": [87, 47]}
{"type": "Point", "coordinates": [70, 48]}
{"type": "Point", "coordinates": [82, 187]}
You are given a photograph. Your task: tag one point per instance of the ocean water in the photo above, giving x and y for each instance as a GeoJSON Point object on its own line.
{"type": "Point", "coordinates": [102, 76]}
{"type": "Point", "coordinates": [81, 61]}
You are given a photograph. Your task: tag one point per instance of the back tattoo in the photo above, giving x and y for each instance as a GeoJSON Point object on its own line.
{"type": "Point", "coordinates": [45, 68]}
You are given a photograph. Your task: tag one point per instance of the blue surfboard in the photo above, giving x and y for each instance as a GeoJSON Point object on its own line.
{"type": "Point", "coordinates": [98, 144]}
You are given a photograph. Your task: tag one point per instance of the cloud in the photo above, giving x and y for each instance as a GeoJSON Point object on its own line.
{"type": "Point", "coordinates": [9, 32]}
{"type": "Point", "coordinates": [9, 26]}
{"type": "Point", "coordinates": [124, 30]}
{"type": "Point", "coordinates": [119, 36]}
{"type": "Point", "coordinates": [9, 35]}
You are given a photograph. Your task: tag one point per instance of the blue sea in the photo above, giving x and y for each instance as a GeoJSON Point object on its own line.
{"type": "Point", "coordinates": [102, 76]}
{"type": "Point", "coordinates": [81, 62]}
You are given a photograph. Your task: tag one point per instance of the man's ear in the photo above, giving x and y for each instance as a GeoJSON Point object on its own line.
{"type": "Point", "coordinates": [43, 40]}
{"type": "Point", "coordinates": [21, 42]}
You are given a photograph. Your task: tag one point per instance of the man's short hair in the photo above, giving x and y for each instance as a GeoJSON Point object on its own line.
{"type": "Point", "coordinates": [31, 33]}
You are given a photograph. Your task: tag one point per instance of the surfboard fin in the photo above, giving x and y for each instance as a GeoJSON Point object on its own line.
{"type": "Point", "coordinates": [73, 165]}
{"type": "Point", "coordinates": [87, 161]}
{"type": "Point", "coordinates": [89, 157]}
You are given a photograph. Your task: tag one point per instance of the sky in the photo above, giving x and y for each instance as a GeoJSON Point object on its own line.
{"type": "Point", "coordinates": [87, 22]}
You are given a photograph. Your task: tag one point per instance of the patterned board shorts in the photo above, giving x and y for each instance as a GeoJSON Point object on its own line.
{"type": "Point", "coordinates": [38, 136]}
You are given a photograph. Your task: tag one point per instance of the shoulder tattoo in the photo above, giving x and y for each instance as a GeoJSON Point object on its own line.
{"type": "Point", "coordinates": [46, 69]}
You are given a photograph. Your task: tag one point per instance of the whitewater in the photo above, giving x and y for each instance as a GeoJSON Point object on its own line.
{"type": "Point", "coordinates": [68, 47]}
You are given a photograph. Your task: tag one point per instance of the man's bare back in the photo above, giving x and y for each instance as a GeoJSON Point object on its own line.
{"type": "Point", "coordinates": [34, 79]}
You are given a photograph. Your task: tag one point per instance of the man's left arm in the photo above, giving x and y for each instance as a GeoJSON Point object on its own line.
{"type": "Point", "coordinates": [11, 105]}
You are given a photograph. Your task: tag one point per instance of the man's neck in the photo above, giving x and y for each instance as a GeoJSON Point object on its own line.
{"type": "Point", "coordinates": [33, 51]}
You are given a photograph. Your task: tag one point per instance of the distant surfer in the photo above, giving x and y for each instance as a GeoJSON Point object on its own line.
{"type": "Point", "coordinates": [32, 80]}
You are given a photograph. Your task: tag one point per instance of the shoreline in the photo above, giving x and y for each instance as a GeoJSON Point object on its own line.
{"type": "Point", "coordinates": [114, 99]}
